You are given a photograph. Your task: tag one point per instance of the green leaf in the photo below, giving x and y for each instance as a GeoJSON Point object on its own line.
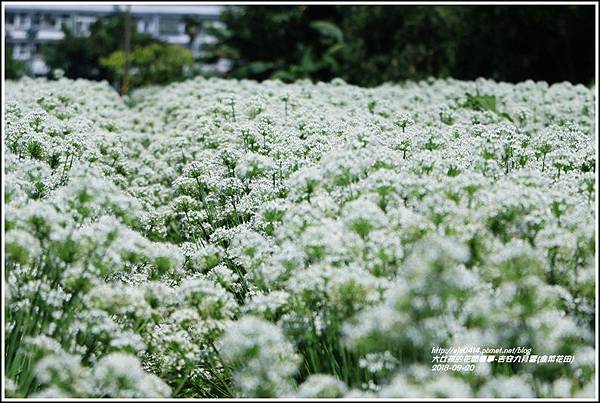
{"type": "Point", "coordinates": [506, 116]}
{"type": "Point", "coordinates": [484, 103]}
{"type": "Point", "coordinates": [328, 29]}
{"type": "Point", "coordinates": [480, 102]}
{"type": "Point", "coordinates": [259, 67]}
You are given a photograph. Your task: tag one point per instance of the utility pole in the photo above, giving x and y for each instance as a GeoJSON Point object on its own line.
{"type": "Point", "coordinates": [32, 33]}
{"type": "Point", "coordinates": [125, 81]}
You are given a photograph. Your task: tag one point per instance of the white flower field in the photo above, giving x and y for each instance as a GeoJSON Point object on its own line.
{"type": "Point", "coordinates": [222, 238]}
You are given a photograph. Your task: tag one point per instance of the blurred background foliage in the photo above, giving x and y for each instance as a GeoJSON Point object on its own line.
{"type": "Point", "coordinates": [100, 55]}
{"type": "Point", "coordinates": [369, 45]}
{"type": "Point", "coordinates": [12, 68]}
{"type": "Point", "coordinates": [156, 64]}
{"type": "Point", "coordinates": [79, 56]}
{"type": "Point", "coordinates": [364, 45]}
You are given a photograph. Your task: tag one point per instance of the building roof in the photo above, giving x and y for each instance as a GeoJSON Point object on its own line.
{"type": "Point", "coordinates": [102, 8]}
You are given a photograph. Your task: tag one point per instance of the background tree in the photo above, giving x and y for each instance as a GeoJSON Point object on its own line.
{"type": "Point", "coordinates": [551, 43]}
{"type": "Point", "coordinates": [368, 45]}
{"type": "Point", "coordinates": [79, 56]}
{"type": "Point", "coordinates": [13, 69]}
{"type": "Point", "coordinates": [193, 27]}
{"type": "Point", "coordinates": [155, 64]}
{"type": "Point", "coordinates": [266, 40]}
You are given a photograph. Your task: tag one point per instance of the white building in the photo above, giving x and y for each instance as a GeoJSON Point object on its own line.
{"type": "Point", "coordinates": [28, 27]}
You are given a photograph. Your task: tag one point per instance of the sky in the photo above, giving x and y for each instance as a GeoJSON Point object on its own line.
{"type": "Point", "coordinates": [182, 8]}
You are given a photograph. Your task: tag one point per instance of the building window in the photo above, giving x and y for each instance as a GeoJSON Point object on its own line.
{"type": "Point", "coordinates": [48, 22]}
{"type": "Point", "coordinates": [168, 26]}
{"type": "Point", "coordinates": [21, 51]}
{"type": "Point", "coordinates": [64, 19]}
{"type": "Point", "coordinates": [25, 21]}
